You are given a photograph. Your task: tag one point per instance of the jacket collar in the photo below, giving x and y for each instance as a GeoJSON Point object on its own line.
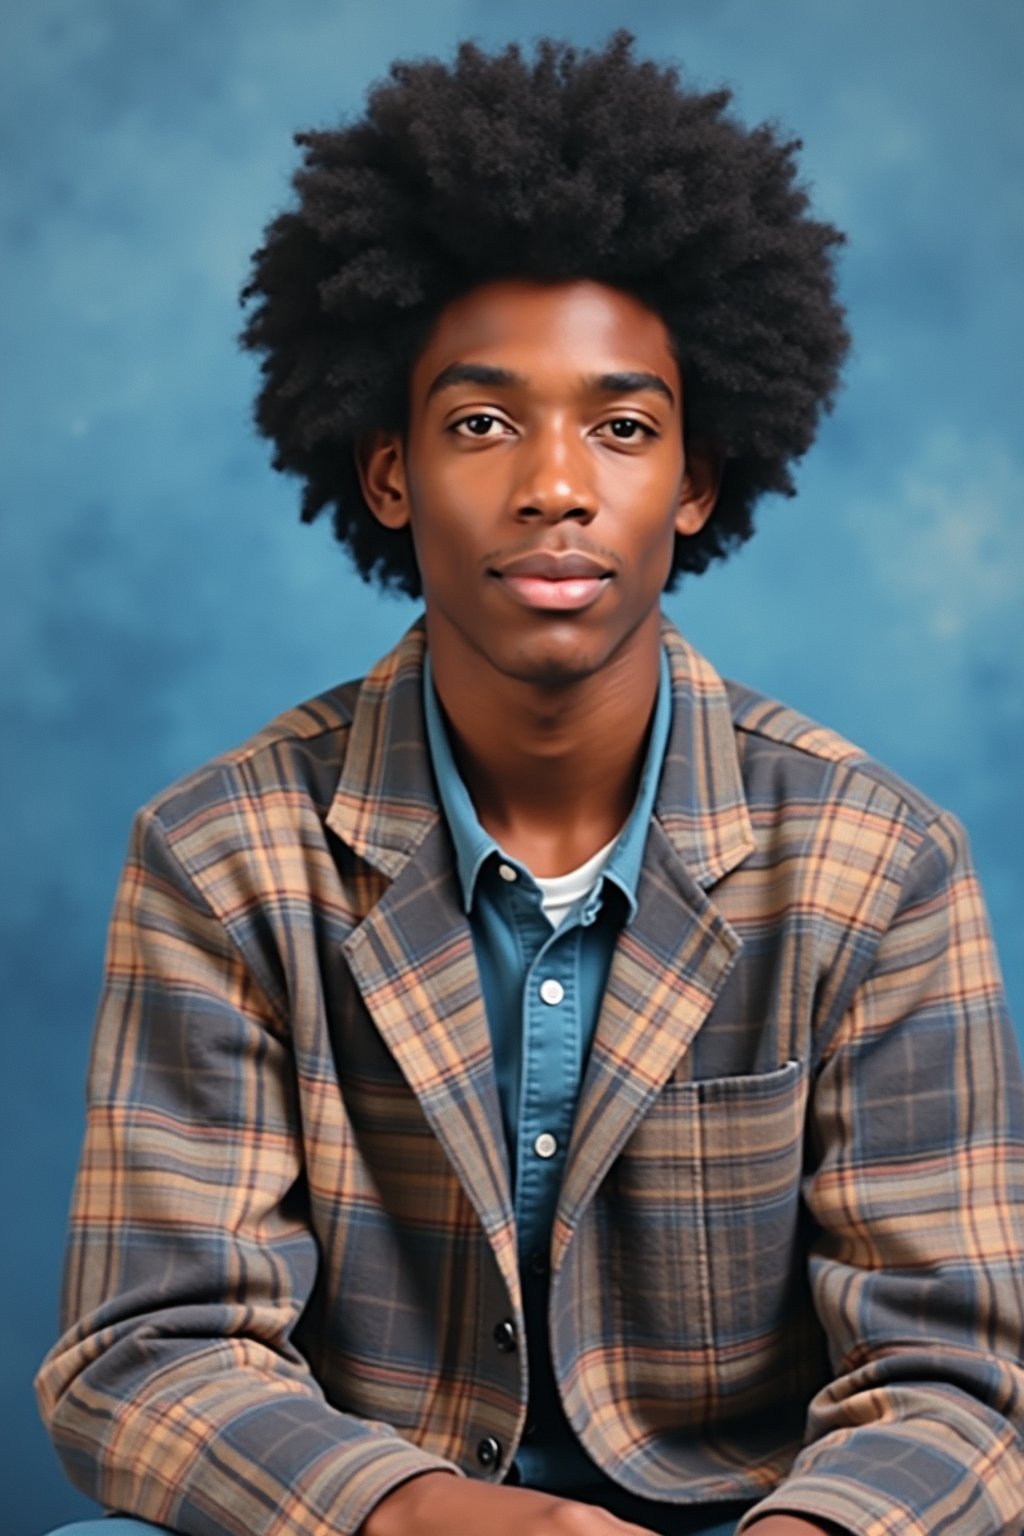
{"type": "Point", "coordinates": [386, 801]}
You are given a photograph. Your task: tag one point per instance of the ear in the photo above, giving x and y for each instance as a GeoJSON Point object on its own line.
{"type": "Point", "coordinates": [380, 465]}
{"type": "Point", "coordinates": [702, 481]}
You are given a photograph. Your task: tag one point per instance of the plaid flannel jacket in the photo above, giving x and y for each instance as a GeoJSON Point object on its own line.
{"type": "Point", "coordinates": [787, 1259]}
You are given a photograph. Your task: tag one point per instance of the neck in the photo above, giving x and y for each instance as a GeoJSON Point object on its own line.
{"type": "Point", "coordinates": [552, 770]}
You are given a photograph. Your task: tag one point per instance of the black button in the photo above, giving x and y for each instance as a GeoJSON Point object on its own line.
{"type": "Point", "coordinates": [529, 1430]}
{"type": "Point", "coordinates": [538, 1262]}
{"type": "Point", "coordinates": [505, 1335]}
{"type": "Point", "coordinates": [488, 1452]}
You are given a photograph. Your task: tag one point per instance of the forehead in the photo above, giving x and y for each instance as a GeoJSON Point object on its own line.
{"type": "Point", "coordinates": [544, 331]}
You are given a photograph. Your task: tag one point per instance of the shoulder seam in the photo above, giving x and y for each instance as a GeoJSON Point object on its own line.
{"type": "Point", "coordinates": [245, 753]}
{"type": "Point", "coordinates": [920, 811]}
{"type": "Point", "coordinates": [854, 755]}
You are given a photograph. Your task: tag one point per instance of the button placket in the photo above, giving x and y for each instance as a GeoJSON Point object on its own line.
{"type": "Point", "coordinates": [550, 1030]}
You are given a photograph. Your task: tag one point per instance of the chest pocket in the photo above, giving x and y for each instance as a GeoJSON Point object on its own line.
{"type": "Point", "coordinates": [703, 1224]}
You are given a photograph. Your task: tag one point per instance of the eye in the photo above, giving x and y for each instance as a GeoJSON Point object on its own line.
{"type": "Point", "coordinates": [480, 424]}
{"type": "Point", "coordinates": [627, 429]}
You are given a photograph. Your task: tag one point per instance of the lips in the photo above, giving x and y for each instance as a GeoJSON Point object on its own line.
{"type": "Point", "coordinates": [551, 582]}
{"type": "Point", "coordinates": [550, 566]}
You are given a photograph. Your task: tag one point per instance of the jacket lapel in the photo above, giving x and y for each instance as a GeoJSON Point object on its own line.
{"type": "Point", "coordinates": [672, 960]}
{"type": "Point", "coordinates": [412, 955]}
{"type": "Point", "coordinates": [669, 966]}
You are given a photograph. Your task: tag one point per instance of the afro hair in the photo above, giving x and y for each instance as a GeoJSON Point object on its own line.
{"type": "Point", "coordinates": [573, 165]}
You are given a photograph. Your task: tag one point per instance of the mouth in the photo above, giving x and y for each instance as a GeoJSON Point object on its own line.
{"type": "Point", "coordinates": [561, 596]}
{"type": "Point", "coordinates": [561, 583]}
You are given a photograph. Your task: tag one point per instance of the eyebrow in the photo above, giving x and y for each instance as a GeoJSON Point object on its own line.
{"type": "Point", "coordinates": [630, 382]}
{"type": "Point", "coordinates": [474, 373]}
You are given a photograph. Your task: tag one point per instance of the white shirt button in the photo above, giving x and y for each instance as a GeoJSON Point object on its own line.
{"type": "Point", "coordinates": [552, 991]}
{"type": "Point", "coordinates": [545, 1145]}
{"type": "Point", "coordinates": [507, 873]}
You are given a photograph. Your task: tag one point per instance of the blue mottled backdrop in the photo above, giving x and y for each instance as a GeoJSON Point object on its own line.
{"type": "Point", "coordinates": [159, 599]}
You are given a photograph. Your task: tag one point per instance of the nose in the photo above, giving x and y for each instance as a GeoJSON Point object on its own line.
{"type": "Point", "coordinates": [555, 482]}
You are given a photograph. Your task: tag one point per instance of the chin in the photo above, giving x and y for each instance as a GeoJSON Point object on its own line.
{"type": "Point", "coordinates": [554, 666]}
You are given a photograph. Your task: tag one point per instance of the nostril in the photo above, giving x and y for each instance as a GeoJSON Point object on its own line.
{"type": "Point", "coordinates": [557, 514]}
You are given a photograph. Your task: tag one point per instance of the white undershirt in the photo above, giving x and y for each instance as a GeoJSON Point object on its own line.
{"type": "Point", "coordinates": [560, 893]}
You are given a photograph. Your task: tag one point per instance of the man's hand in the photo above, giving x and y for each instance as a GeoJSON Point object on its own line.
{"type": "Point", "coordinates": [440, 1504]}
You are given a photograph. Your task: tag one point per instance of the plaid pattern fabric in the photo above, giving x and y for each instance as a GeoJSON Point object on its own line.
{"type": "Point", "coordinates": [788, 1257]}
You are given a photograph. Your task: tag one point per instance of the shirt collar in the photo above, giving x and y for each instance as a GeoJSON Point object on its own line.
{"type": "Point", "coordinates": [474, 845]}
{"type": "Point", "coordinates": [385, 801]}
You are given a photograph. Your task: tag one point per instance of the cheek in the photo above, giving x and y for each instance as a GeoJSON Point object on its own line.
{"type": "Point", "coordinates": [656, 552]}
{"type": "Point", "coordinates": [645, 493]}
{"type": "Point", "coordinates": [452, 508]}
{"type": "Point", "coordinates": [445, 536]}
{"type": "Point", "coordinates": [442, 487]}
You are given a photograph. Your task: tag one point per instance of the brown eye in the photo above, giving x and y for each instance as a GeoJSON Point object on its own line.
{"type": "Point", "coordinates": [628, 430]}
{"type": "Point", "coordinates": [477, 425]}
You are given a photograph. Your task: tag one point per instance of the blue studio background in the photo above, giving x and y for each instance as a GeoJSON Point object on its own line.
{"type": "Point", "coordinates": [159, 600]}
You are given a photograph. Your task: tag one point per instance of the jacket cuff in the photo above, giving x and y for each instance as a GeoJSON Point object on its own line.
{"type": "Point", "coordinates": [819, 1500]}
{"type": "Point", "coordinates": [391, 1465]}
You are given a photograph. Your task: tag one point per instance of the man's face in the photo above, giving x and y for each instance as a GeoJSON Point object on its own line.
{"type": "Point", "coordinates": [542, 477]}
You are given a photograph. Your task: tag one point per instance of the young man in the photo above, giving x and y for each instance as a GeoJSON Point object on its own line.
{"type": "Point", "coordinates": [540, 1061]}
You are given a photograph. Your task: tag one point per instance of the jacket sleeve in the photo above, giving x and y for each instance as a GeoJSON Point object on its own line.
{"type": "Point", "coordinates": [915, 1186]}
{"type": "Point", "coordinates": [176, 1393]}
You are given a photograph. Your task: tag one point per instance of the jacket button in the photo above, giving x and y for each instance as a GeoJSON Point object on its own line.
{"type": "Point", "coordinates": [488, 1451]}
{"type": "Point", "coordinates": [505, 1336]}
